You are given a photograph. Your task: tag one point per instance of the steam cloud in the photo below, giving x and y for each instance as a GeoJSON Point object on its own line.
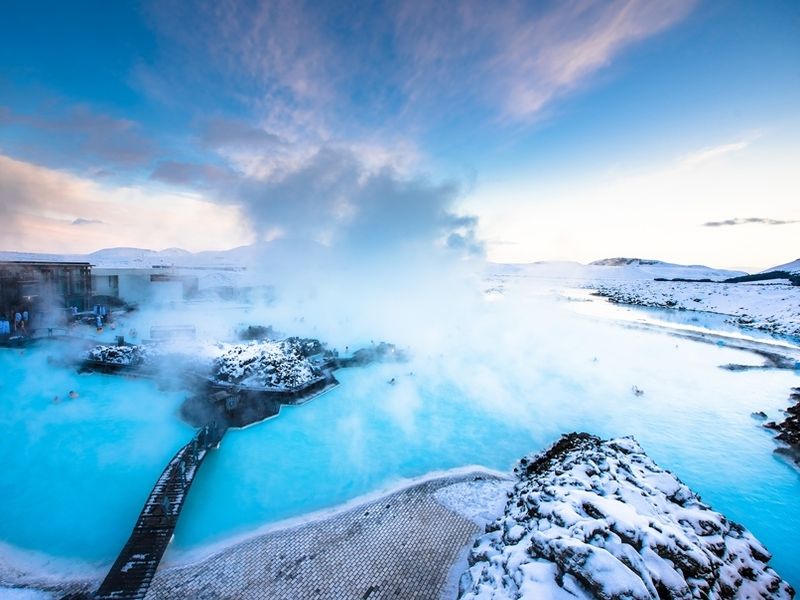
{"type": "Point", "coordinates": [336, 200]}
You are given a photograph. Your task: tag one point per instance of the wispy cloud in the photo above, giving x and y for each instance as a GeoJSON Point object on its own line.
{"type": "Point", "coordinates": [713, 152]}
{"type": "Point", "coordinates": [77, 133]}
{"type": "Point", "coordinates": [192, 174]}
{"type": "Point", "coordinates": [750, 221]}
{"type": "Point", "coordinates": [321, 70]}
{"type": "Point", "coordinates": [82, 221]}
{"type": "Point", "coordinates": [224, 132]}
{"type": "Point", "coordinates": [519, 57]}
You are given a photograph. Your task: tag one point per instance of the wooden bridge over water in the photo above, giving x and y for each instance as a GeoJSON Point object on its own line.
{"type": "Point", "coordinates": [135, 567]}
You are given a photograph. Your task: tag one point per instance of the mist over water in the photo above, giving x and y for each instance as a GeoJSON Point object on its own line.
{"type": "Point", "coordinates": [491, 378]}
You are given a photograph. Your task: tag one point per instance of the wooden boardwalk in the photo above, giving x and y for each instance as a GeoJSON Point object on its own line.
{"type": "Point", "coordinates": [136, 565]}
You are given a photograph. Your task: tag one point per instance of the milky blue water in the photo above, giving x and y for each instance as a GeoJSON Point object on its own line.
{"type": "Point", "coordinates": [75, 474]}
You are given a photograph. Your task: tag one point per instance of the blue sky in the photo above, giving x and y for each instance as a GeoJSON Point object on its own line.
{"type": "Point", "coordinates": [519, 130]}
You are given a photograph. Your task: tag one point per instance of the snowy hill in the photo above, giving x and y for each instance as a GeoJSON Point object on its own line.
{"type": "Point", "coordinates": [636, 268]}
{"type": "Point", "coordinates": [791, 267]}
{"type": "Point", "coordinates": [280, 252]}
{"type": "Point", "coordinates": [139, 258]}
{"type": "Point", "coordinates": [612, 268]}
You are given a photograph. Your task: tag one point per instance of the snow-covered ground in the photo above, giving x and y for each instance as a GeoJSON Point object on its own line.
{"type": "Point", "coordinates": [611, 268]}
{"type": "Point", "coordinates": [769, 306]}
{"type": "Point", "coordinates": [599, 519]}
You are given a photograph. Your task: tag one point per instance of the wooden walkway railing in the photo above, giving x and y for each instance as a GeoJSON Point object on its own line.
{"type": "Point", "coordinates": [136, 565]}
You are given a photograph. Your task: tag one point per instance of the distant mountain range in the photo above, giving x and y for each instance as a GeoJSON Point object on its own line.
{"type": "Point", "coordinates": [617, 268]}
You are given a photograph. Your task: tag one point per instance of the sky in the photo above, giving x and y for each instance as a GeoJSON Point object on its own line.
{"type": "Point", "coordinates": [511, 131]}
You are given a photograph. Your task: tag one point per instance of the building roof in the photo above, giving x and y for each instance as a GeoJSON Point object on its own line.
{"type": "Point", "coordinates": [43, 263]}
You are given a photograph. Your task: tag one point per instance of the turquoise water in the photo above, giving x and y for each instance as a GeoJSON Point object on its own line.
{"type": "Point", "coordinates": [76, 473]}
{"type": "Point", "coordinates": [74, 470]}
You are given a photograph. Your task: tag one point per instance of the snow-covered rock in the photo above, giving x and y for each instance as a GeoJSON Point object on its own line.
{"type": "Point", "coordinates": [122, 355]}
{"type": "Point", "coordinates": [589, 518]}
{"type": "Point", "coordinates": [266, 364]}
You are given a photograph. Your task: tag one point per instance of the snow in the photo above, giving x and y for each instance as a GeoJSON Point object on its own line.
{"type": "Point", "coordinates": [266, 364]}
{"type": "Point", "coordinates": [791, 267]}
{"type": "Point", "coordinates": [773, 307]}
{"type": "Point", "coordinates": [273, 365]}
{"type": "Point", "coordinates": [633, 267]}
{"type": "Point", "coordinates": [123, 355]}
{"type": "Point", "coordinates": [481, 500]}
{"type": "Point", "coordinates": [614, 268]}
{"type": "Point", "coordinates": [599, 519]}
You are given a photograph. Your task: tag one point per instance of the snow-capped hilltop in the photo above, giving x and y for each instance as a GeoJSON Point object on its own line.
{"type": "Point", "coordinates": [621, 262]}
{"type": "Point", "coordinates": [589, 518]}
{"type": "Point", "coordinates": [634, 268]}
{"type": "Point", "coordinates": [791, 267]}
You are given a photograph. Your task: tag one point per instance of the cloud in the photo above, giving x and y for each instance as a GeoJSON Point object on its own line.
{"type": "Point", "coordinates": [198, 175]}
{"type": "Point", "coordinates": [77, 133]}
{"type": "Point", "coordinates": [519, 57]}
{"type": "Point", "coordinates": [707, 154]}
{"type": "Point", "coordinates": [324, 71]}
{"type": "Point", "coordinates": [222, 132]}
{"type": "Point", "coordinates": [40, 211]}
{"type": "Point", "coordinates": [749, 221]}
{"type": "Point", "coordinates": [269, 56]}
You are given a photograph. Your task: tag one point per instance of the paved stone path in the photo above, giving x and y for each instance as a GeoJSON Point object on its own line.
{"type": "Point", "coordinates": [400, 547]}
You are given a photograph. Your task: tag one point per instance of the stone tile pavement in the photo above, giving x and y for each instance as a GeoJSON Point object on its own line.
{"type": "Point", "coordinates": [398, 547]}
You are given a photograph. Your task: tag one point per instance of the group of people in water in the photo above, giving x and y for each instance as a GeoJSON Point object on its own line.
{"type": "Point", "coordinates": [72, 395]}
{"type": "Point", "coordinates": [17, 324]}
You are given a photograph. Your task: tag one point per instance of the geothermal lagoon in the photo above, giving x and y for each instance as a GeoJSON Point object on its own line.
{"type": "Point", "coordinates": [77, 472]}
